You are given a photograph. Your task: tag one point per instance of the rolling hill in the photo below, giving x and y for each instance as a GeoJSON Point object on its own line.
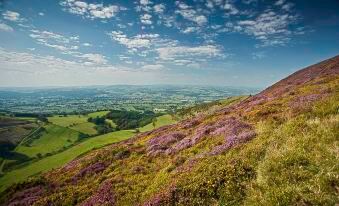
{"type": "Point", "coordinates": [279, 147]}
{"type": "Point", "coordinates": [55, 145]}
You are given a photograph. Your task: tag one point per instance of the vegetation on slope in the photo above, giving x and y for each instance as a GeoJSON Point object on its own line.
{"type": "Point", "coordinates": [56, 134]}
{"type": "Point", "coordinates": [276, 148]}
{"type": "Point", "coordinates": [76, 122]}
{"type": "Point", "coordinates": [50, 140]}
{"type": "Point", "coordinates": [61, 158]}
{"type": "Point", "coordinates": [158, 122]}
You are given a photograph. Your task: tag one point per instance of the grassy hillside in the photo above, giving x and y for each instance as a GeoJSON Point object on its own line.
{"type": "Point", "coordinates": [75, 122]}
{"type": "Point", "coordinates": [55, 138]}
{"type": "Point", "coordinates": [160, 121]}
{"type": "Point", "coordinates": [98, 114]}
{"type": "Point", "coordinates": [60, 159]}
{"type": "Point", "coordinates": [78, 122]}
{"type": "Point", "coordinates": [52, 139]}
{"type": "Point", "coordinates": [278, 147]}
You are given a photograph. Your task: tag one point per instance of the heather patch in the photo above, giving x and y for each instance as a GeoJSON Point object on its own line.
{"type": "Point", "coordinates": [301, 103]}
{"type": "Point", "coordinates": [89, 170]}
{"type": "Point", "coordinates": [160, 144]}
{"type": "Point", "coordinates": [26, 197]}
{"type": "Point", "coordinates": [103, 196]}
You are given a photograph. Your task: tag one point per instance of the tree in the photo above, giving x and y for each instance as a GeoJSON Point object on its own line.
{"type": "Point", "coordinates": [154, 121]}
{"type": "Point", "coordinates": [39, 155]}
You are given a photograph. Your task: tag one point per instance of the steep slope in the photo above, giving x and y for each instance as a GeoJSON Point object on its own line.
{"type": "Point", "coordinates": [279, 147]}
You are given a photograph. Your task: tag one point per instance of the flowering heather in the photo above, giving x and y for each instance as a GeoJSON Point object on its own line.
{"type": "Point", "coordinates": [26, 197]}
{"type": "Point", "coordinates": [162, 198]}
{"type": "Point", "coordinates": [230, 126]}
{"type": "Point", "coordinates": [190, 123]}
{"type": "Point", "coordinates": [103, 196]}
{"type": "Point", "coordinates": [92, 169]}
{"type": "Point", "coordinates": [201, 132]}
{"type": "Point", "coordinates": [159, 144]}
{"type": "Point", "coordinates": [232, 141]}
{"type": "Point", "coordinates": [305, 101]}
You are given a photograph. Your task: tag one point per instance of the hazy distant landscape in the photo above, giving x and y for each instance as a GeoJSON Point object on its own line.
{"type": "Point", "coordinates": [86, 99]}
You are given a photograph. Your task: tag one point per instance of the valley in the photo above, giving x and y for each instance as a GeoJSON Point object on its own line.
{"type": "Point", "coordinates": [249, 149]}
{"type": "Point", "coordinates": [50, 140]}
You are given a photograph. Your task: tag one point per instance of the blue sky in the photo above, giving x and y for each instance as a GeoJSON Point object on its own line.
{"type": "Point", "coordinates": [250, 43]}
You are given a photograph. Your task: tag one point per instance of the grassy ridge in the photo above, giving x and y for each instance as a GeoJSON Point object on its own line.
{"type": "Point", "coordinates": [60, 159]}
{"type": "Point", "coordinates": [78, 122]}
{"type": "Point", "coordinates": [51, 140]}
{"type": "Point", "coordinates": [161, 121]}
{"type": "Point", "coordinates": [98, 114]}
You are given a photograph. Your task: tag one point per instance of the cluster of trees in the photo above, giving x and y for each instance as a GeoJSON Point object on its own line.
{"type": "Point", "coordinates": [130, 119]}
{"type": "Point", "coordinates": [101, 125]}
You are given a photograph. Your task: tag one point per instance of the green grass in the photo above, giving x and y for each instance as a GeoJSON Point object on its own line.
{"type": "Point", "coordinates": [98, 114]}
{"type": "Point", "coordinates": [59, 159]}
{"type": "Point", "coordinates": [86, 128]}
{"type": "Point", "coordinates": [62, 158]}
{"type": "Point", "coordinates": [161, 121]}
{"type": "Point", "coordinates": [67, 121]}
{"type": "Point", "coordinates": [53, 139]}
{"type": "Point", "coordinates": [76, 122]}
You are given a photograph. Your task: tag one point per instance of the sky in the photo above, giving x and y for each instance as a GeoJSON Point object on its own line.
{"type": "Point", "coordinates": [251, 43]}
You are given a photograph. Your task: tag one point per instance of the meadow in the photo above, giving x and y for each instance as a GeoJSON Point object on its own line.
{"type": "Point", "coordinates": [57, 137]}
{"type": "Point", "coordinates": [52, 139]}
{"type": "Point", "coordinates": [62, 158]}
{"type": "Point", "coordinates": [160, 121]}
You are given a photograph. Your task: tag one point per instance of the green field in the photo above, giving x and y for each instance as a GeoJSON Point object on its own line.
{"type": "Point", "coordinates": [86, 128]}
{"type": "Point", "coordinates": [161, 121]}
{"type": "Point", "coordinates": [68, 121]}
{"type": "Point", "coordinates": [62, 158]}
{"type": "Point", "coordinates": [98, 114]}
{"type": "Point", "coordinates": [51, 140]}
{"type": "Point", "coordinates": [78, 122]}
{"type": "Point", "coordinates": [75, 122]}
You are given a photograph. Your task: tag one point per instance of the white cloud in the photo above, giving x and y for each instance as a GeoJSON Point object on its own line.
{"type": "Point", "coordinates": [12, 16]}
{"type": "Point", "coordinates": [230, 8]}
{"type": "Point", "coordinates": [26, 69]}
{"type": "Point", "coordinates": [190, 30]}
{"type": "Point", "coordinates": [279, 2]}
{"type": "Point", "coordinates": [145, 2]}
{"type": "Point", "coordinates": [159, 8]}
{"type": "Point", "coordinates": [152, 67]}
{"type": "Point", "coordinates": [56, 41]}
{"type": "Point", "coordinates": [41, 14]}
{"type": "Point", "coordinates": [174, 52]}
{"type": "Point", "coordinates": [91, 11]}
{"type": "Point", "coordinates": [269, 27]}
{"type": "Point", "coordinates": [5, 27]}
{"type": "Point", "coordinates": [136, 42]}
{"type": "Point", "coordinates": [190, 14]}
{"type": "Point", "coordinates": [95, 58]}
{"type": "Point", "coordinates": [87, 44]}
{"type": "Point", "coordinates": [146, 19]}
